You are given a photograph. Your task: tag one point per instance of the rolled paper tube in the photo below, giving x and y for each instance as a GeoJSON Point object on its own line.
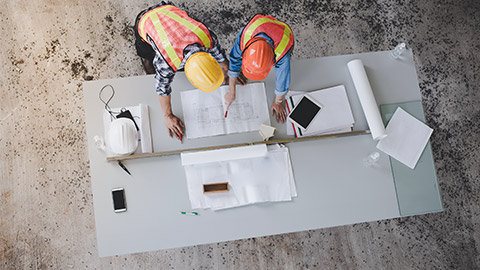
{"type": "Point", "coordinates": [367, 99]}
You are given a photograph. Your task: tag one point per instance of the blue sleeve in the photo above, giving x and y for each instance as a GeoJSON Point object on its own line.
{"type": "Point", "coordinates": [282, 75]}
{"type": "Point", "coordinates": [235, 58]}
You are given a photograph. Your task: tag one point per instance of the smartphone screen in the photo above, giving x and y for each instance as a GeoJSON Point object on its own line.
{"type": "Point", "coordinates": [118, 195]}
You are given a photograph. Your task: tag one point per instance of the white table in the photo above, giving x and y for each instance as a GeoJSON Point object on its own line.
{"type": "Point", "coordinates": [334, 187]}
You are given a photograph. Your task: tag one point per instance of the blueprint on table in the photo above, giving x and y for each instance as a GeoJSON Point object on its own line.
{"type": "Point", "coordinates": [204, 113]}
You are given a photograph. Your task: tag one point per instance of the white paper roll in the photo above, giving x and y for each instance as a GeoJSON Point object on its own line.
{"type": "Point", "coordinates": [367, 99]}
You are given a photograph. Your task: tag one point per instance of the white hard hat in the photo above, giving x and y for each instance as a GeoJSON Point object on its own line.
{"type": "Point", "coordinates": [122, 136]}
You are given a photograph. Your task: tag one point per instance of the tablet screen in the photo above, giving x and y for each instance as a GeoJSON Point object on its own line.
{"type": "Point", "coordinates": [304, 112]}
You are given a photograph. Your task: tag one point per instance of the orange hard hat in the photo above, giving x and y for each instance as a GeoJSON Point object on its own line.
{"type": "Point", "coordinates": [204, 72]}
{"type": "Point", "coordinates": [258, 59]}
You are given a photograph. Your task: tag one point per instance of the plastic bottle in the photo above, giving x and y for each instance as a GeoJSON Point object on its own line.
{"type": "Point", "coordinates": [99, 142]}
{"type": "Point", "coordinates": [399, 49]}
{"type": "Point", "coordinates": [371, 159]}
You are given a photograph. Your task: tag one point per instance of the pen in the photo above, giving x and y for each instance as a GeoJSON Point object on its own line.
{"type": "Point", "coordinates": [123, 167]}
{"type": "Point", "coordinates": [226, 113]}
{"type": "Point", "coordinates": [189, 213]}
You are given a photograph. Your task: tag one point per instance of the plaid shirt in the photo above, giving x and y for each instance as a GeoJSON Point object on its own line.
{"type": "Point", "coordinates": [164, 73]}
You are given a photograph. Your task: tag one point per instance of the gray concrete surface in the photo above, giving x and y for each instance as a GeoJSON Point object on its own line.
{"type": "Point", "coordinates": [49, 47]}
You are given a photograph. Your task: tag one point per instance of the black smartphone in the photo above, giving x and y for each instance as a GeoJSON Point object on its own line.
{"type": "Point", "coordinates": [119, 204]}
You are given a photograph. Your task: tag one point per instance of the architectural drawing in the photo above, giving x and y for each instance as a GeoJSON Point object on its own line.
{"type": "Point", "coordinates": [204, 113]}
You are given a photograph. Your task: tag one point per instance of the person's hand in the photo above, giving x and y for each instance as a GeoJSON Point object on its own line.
{"type": "Point", "coordinates": [174, 125]}
{"type": "Point", "coordinates": [279, 110]}
{"type": "Point", "coordinates": [230, 96]}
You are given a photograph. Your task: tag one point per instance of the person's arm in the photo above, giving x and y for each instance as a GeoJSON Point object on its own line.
{"type": "Point", "coordinates": [216, 51]}
{"type": "Point", "coordinates": [234, 71]}
{"type": "Point", "coordinates": [224, 66]}
{"type": "Point", "coordinates": [282, 82]}
{"type": "Point", "coordinates": [172, 123]}
{"type": "Point", "coordinates": [164, 77]}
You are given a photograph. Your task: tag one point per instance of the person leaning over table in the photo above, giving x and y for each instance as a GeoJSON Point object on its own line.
{"type": "Point", "coordinates": [263, 43]}
{"type": "Point", "coordinates": [167, 40]}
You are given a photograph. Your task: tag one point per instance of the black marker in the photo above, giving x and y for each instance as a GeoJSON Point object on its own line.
{"type": "Point", "coordinates": [123, 167]}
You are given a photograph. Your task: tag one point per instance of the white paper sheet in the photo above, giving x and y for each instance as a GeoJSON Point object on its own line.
{"type": "Point", "coordinates": [253, 180]}
{"type": "Point", "coordinates": [204, 113]}
{"type": "Point", "coordinates": [142, 119]}
{"type": "Point", "coordinates": [244, 152]}
{"type": "Point", "coordinates": [407, 137]}
{"type": "Point", "coordinates": [335, 117]}
{"type": "Point", "coordinates": [367, 99]}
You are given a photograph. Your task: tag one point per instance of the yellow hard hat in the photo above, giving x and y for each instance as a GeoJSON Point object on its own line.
{"type": "Point", "coordinates": [204, 72]}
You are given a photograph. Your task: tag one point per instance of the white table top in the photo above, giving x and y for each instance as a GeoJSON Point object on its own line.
{"type": "Point", "coordinates": [334, 187]}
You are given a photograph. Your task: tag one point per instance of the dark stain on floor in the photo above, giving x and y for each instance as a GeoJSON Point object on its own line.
{"type": "Point", "coordinates": [52, 48]}
{"type": "Point", "coordinates": [78, 69]}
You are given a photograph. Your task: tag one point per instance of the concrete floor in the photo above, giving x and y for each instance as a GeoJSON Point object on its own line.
{"type": "Point", "coordinates": [49, 47]}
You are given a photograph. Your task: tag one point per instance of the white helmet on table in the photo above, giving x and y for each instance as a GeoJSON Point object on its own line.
{"type": "Point", "coordinates": [122, 136]}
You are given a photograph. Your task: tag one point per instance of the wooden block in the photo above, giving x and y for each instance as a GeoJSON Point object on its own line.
{"type": "Point", "coordinates": [266, 132]}
{"type": "Point", "coordinates": [215, 187]}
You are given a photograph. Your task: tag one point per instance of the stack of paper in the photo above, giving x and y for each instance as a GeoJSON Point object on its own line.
{"type": "Point", "coordinates": [142, 119]}
{"type": "Point", "coordinates": [254, 174]}
{"type": "Point", "coordinates": [335, 117]}
{"type": "Point", "coordinates": [205, 113]}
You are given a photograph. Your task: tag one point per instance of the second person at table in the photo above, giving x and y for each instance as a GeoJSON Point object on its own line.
{"type": "Point", "coordinates": [264, 42]}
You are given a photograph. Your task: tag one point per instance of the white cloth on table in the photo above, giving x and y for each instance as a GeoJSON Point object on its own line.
{"type": "Point", "coordinates": [265, 178]}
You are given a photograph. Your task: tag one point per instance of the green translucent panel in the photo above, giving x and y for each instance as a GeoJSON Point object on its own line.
{"type": "Point", "coordinates": [417, 190]}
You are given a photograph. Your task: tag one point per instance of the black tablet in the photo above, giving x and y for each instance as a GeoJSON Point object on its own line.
{"type": "Point", "coordinates": [304, 112]}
